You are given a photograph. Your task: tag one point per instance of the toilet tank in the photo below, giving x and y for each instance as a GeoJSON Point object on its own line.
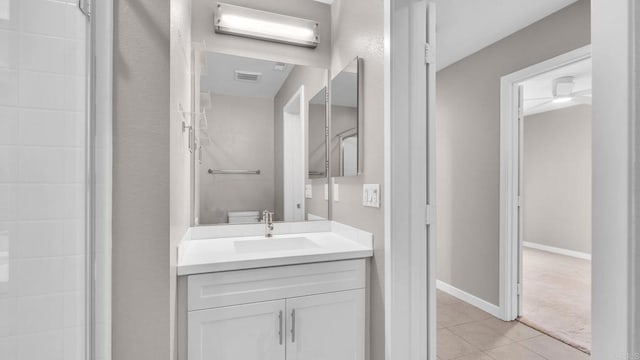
{"type": "Point", "coordinates": [243, 217]}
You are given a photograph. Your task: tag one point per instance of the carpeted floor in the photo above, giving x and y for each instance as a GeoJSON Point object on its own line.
{"type": "Point", "coordinates": [557, 296]}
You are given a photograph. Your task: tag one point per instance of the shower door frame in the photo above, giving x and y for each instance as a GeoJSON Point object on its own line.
{"type": "Point", "coordinates": [99, 85]}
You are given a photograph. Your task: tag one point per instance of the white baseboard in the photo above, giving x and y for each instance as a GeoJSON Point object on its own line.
{"type": "Point", "coordinates": [470, 299]}
{"type": "Point", "coordinates": [556, 250]}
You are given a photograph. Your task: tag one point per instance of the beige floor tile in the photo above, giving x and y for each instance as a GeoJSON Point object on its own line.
{"type": "Point", "coordinates": [475, 356]}
{"type": "Point", "coordinates": [481, 336]}
{"type": "Point", "coordinates": [445, 299]}
{"type": "Point", "coordinates": [511, 329]}
{"type": "Point", "coordinates": [463, 331]}
{"type": "Point", "coordinates": [553, 349]}
{"type": "Point", "coordinates": [473, 312]}
{"type": "Point", "coordinates": [451, 346]}
{"type": "Point", "coordinates": [514, 352]}
{"type": "Point", "coordinates": [450, 315]}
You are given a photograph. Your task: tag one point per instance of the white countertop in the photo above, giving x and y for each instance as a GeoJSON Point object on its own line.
{"type": "Point", "coordinates": [215, 254]}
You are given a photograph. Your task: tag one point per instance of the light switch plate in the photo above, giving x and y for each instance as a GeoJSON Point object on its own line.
{"type": "Point", "coordinates": [336, 192]}
{"type": "Point", "coordinates": [308, 191]}
{"type": "Point", "coordinates": [371, 195]}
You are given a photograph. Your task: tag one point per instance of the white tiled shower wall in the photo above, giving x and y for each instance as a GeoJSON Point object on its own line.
{"type": "Point", "coordinates": [42, 96]}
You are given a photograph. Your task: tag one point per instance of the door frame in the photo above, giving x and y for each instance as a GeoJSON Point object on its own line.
{"type": "Point", "coordinates": [511, 177]}
{"type": "Point", "coordinates": [616, 313]}
{"type": "Point", "coordinates": [409, 183]}
{"type": "Point", "coordinates": [289, 191]}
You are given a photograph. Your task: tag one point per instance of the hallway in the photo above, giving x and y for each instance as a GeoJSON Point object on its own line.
{"type": "Point", "coordinates": [468, 333]}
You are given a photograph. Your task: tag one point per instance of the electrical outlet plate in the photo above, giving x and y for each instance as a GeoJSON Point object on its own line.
{"type": "Point", "coordinates": [326, 192]}
{"type": "Point", "coordinates": [371, 195]}
{"type": "Point", "coordinates": [308, 191]}
{"type": "Point", "coordinates": [336, 192]}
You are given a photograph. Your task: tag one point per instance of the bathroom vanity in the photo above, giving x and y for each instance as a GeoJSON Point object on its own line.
{"type": "Point", "coordinates": [300, 294]}
{"type": "Point", "coordinates": [263, 142]}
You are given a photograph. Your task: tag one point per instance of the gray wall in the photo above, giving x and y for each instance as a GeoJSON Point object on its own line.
{"type": "Point", "coordinates": [150, 173]}
{"type": "Point", "coordinates": [240, 129]}
{"type": "Point", "coordinates": [468, 149]}
{"type": "Point", "coordinates": [313, 79]}
{"type": "Point", "coordinates": [141, 185]}
{"type": "Point", "coordinates": [358, 30]}
{"type": "Point", "coordinates": [557, 178]}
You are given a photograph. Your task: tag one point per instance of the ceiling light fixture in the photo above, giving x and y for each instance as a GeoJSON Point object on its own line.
{"type": "Point", "coordinates": [262, 25]}
{"type": "Point", "coordinates": [563, 89]}
{"type": "Point", "coordinates": [561, 99]}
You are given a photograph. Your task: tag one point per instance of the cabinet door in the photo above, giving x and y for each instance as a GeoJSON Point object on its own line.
{"type": "Point", "coordinates": [327, 326]}
{"type": "Point", "coordinates": [242, 332]}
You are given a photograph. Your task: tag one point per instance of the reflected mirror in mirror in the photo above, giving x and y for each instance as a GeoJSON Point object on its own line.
{"type": "Point", "coordinates": [317, 135]}
{"type": "Point", "coordinates": [251, 140]}
{"type": "Point", "coordinates": [346, 121]}
{"type": "Point", "coordinates": [317, 154]}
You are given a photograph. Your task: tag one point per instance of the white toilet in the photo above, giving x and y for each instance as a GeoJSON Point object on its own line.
{"type": "Point", "coordinates": [243, 217]}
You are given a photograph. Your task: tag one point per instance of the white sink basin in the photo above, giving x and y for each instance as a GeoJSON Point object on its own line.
{"type": "Point", "coordinates": [273, 244]}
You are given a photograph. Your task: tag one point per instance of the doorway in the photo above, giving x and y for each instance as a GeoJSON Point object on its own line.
{"type": "Point", "coordinates": [294, 151]}
{"type": "Point", "coordinates": [546, 197]}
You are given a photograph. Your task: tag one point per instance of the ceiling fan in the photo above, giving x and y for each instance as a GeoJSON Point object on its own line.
{"type": "Point", "coordinates": [562, 91]}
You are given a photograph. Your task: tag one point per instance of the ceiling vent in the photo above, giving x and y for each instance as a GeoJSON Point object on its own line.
{"type": "Point", "coordinates": [247, 76]}
{"type": "Point", "coordinates": [563, 87]}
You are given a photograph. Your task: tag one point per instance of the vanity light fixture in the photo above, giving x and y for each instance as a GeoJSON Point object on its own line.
{"type": "Point", "coordinates": [257, 24]}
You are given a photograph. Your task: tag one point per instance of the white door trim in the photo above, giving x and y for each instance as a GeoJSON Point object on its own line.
{"type": "Point", "coordinates": [616, 169]}
{"type": "Point", "coordinates": [510, 149]}
{"type": "Point", "coordinates": [409, 185]}
{"type": "Point", "coordinates": [288, 191]}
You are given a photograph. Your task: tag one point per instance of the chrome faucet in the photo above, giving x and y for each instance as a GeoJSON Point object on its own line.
{"type": "Point", "coordinates": [267, 218]}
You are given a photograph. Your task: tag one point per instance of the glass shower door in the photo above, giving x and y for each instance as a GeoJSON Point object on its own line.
{"type": "Point", "coordinates": [44, 188]}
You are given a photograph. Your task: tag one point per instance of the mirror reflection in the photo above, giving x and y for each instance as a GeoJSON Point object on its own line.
{"type": "Point", "coordinates": [317, 157]}
{"type": "Point", "coordinates": [252, 142]}
{"type": "Point", "coordinates": [317, 151]}
{"type": "Point", "coordinates": [346, 126]}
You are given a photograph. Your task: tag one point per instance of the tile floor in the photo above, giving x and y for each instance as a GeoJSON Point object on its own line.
{"type": "Point", "coordinates": [468, 333]}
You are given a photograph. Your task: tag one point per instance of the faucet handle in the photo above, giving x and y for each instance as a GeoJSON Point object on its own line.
{"type": "Point", "coordinates": [267, 216]}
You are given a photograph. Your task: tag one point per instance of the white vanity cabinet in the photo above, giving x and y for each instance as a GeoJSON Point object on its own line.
{"type": "Point", "coordinates": [248, 332]}
{"type": "Point", "coordinates": [327, 326]}
{"type": "Point", "coordinates": [297, 312]}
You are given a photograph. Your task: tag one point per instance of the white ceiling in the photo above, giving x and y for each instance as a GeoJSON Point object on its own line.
{"type": "Point", "coordinates": [220, 77]}
{"type": "Point", "coordinates": [538, 91]}
{"type": "Point", "coordinates": [467, 26]}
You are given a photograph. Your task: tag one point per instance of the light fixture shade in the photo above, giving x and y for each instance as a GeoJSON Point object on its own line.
{"type": "Point", "coordinates": [257, 24]}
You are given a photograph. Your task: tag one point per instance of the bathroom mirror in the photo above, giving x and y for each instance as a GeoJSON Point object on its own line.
{"type": "Point", "coordinates": [317, 144]}
{"type": "Point", "coordinates": [251, 140]}
{"type": "Point", "coordinates": [317, 156]}
{"type": "Point", "coordinates": [346, 145]}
